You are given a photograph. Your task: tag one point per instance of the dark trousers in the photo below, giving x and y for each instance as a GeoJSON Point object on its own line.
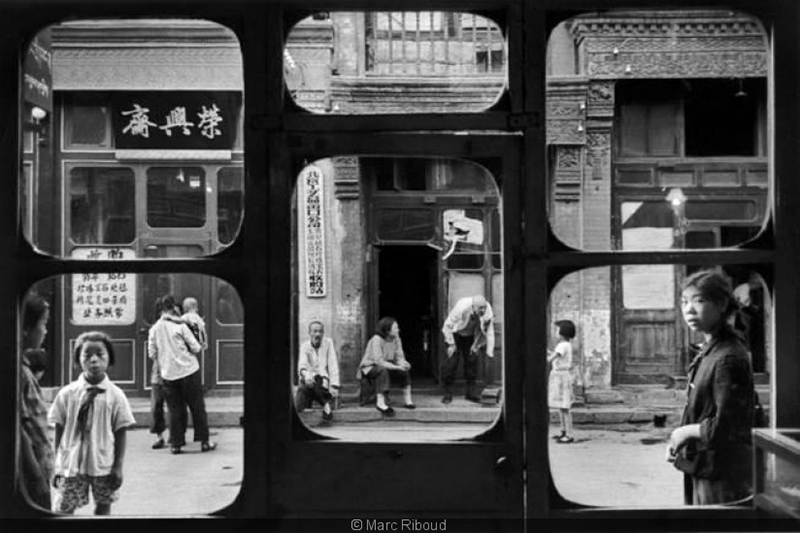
{"type": "Point", "coordinates": [158, 422]}
{"type": "Point", "coordinates": [306, 395]}
{"type": "Point", "coordinates": [181, 393]}
{"type": "Point", "coordinates": [715, 492]}
{"type": "Point", "coordinates": [463, 351]}
{"type": "Point", "coordinates": [382, 377]}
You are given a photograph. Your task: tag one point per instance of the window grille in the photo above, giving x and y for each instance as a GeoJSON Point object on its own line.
{"type": "Point", "coordinates": [433, 43]}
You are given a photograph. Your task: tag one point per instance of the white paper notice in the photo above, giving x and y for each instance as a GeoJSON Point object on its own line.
{"type": "Point", "coordinates": [103, 299]}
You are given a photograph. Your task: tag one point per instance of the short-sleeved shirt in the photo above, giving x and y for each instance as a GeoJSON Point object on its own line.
{"type": "Point", "coordinates": [564, 360]}
{"type": "Point", "coordinates": [173, 343]}
{"type": "Point", "coordinates": [89, 452]}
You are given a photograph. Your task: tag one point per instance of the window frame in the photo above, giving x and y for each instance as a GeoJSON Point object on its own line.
{"type": "Point", "coordinates": [264, 239]}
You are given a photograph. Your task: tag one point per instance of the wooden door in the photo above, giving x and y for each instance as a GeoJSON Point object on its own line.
{"type": "Point", "coordinates": [648, 322]}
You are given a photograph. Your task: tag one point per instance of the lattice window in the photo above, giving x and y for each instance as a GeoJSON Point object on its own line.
{"type": "Point", "coordinates": [433, 43]}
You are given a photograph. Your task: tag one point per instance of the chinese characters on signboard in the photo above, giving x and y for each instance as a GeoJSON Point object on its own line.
{"type": "Point", "coordinates": [314, 224]}
{"type": "Point", "coordinates": [175, 120]}
{"type": "Point", "coordinates": [37, 75]}
{"type": "Point", "coordinates": [103, 299]}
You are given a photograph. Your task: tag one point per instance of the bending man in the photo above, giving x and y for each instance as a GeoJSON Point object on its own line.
{"type": "Point", "coordinates": [468, 332]}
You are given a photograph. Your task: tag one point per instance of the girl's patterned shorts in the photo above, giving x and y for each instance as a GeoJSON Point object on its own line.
{"type": "Point", "coordinates": [73, 492]}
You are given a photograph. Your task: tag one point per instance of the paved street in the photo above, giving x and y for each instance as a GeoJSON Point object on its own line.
{"type": "Point", "coordinates": [161, 484]}
{"type": "Point", "coordinates": [605, 467]}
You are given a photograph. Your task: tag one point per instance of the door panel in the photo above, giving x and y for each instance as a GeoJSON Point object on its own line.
{"type": "Point", "coordinates": [383, 477]}
{"type": "Point", "coordinates": [648, 326]}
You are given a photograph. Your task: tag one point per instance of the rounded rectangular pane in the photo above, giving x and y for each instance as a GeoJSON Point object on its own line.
{"type": "Point", "coordinates": [627, 380]}
{"type": "Point", "coordinates": [132, 136]}
{"type": "Point", "coordinates": [372, 250]}
{"type": "Point", "coordinates": [395, 62]}
{"type": "Point", "coordinates": [145, 347]}
{"type": "Point", "coordinates": [666, 108]}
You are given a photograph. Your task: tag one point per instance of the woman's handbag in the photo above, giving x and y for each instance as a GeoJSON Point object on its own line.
{"type": "Point", "coordinates": [695, 461]}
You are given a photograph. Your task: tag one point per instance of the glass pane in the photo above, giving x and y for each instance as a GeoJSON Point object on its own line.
{"type": "Point", "coordinates": [52, 326]}
{"type": "Point", "coordinates": [406, 225]}
{"type": "Point", "coordinates": [230, 309]}
{"type": "Point", "coordinates": [102, 205]}
{"type": "Point", "coordinates": [643, 106]}
{"type": "Point", "coordinates": [626, 385]}
{"type": "Point", "coordinates": [376, 253]}
{"type": "Point", "coordinates": [88, 126]}
{"type": "Point", "coordinates": [399, 62]}
{"type": "Point", "coordinates": [176, 197]}
{"type": "Point", "coordinates": [230, 202]}
{"type": "Point", "coordinates": [132, 145]}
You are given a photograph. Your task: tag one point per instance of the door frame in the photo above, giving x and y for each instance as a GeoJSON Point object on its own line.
{"type": "Point", "coordinates": [493, 484]}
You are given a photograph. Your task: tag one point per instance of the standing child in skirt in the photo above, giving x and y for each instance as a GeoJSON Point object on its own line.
{"type": "Point", "coordinates": [91, 415]}
{"type": "Point", "coordinates": [560, 385]}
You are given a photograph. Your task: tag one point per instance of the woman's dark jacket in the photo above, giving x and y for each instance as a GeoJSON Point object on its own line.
{"type": "Point", "coordinates": [720, 399]}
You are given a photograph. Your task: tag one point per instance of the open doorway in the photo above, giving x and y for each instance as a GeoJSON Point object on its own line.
{"type": "Point", "coordinates": [407, 291]}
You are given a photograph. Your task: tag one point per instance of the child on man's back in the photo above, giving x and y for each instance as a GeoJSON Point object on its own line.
{"type": "Point", "coordinates": [193, 319]}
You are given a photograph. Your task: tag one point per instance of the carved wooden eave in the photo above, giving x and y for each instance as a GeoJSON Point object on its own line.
{"type": "Point", "coordinates": [676, 44]}
{"type": "Point", "coordinates": [145, 55]}
{"type": "Point", "coordinates": [566, 110]}
{"type": "Point", "coordinates": [402, 94]}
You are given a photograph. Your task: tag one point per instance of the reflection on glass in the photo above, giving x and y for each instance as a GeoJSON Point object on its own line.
{"type": "Point", "coordinates": [627, 124]}
{"type": "Point", "coordinates": [630, 359]}
{"type": "Point", "coordinates": [230, 309]}
{"type": "Point", "coordinates": [176, 197]}
{"type": "Point", "coordinates": [88, 125]}
{"type": "Point", "coordinates": [137, 146]}
{"type": "Point", "coordinates": [422, 259]}
{"type": "Point", "coordinates": [102, 203]}
{"type": "Point", "coordinates": [230, 202]}
{"type": "Point", "coordinates": [431, 62]}
{"type": "Point", "coordinates": [77, 304]}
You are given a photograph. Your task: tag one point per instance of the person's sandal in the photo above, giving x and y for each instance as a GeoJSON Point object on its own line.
{"type": "Point", "coordinates": [565, 440]}
{"type": "Point", "coordinates": [175, 450]}
{"type": "Point", "coordinates": [208, 446]}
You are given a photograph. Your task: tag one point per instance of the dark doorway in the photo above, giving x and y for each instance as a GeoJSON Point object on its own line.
{"type": "Point", "coordinates": [407, 291]}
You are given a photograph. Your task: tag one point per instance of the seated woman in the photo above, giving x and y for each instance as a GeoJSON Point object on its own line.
{"type": "Point", "coordinates": [383, 358]}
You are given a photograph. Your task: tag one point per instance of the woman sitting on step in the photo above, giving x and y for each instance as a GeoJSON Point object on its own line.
{"type": "Point", "coordinates": [383, 359]}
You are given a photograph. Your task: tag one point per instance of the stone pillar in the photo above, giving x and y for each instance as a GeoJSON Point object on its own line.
{"type": "Point", "coordinates": [348, 286]}
{"type": "Point", "coordinates": [596, 296]}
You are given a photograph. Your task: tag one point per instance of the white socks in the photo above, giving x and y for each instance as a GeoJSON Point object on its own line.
{"type": "Point", "coordinates": [407, 395]}
{"type": "Point", "coordinates": [380, 401]}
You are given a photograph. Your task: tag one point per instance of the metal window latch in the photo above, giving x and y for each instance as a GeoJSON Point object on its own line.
{"type": "Point", "coordinates": [502, 464]}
